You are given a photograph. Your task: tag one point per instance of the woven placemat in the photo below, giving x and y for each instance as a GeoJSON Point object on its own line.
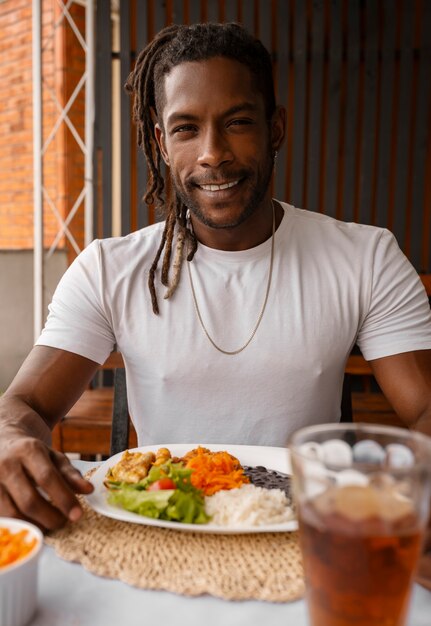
{"type": "Point", "coordinates": [261, 566]}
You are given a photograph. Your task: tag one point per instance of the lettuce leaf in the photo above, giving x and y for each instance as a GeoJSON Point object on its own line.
{"type": "Point", "coordinates": [167, 504]}
{"type": "Point", "coordinates": [184, 504]}
{"type": "Point", "coordinates": [148, 503]}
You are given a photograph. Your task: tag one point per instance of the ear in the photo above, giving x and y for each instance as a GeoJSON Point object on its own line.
{"type": "Point", "coordinates": [160, 138]}
{"type": "Point", "coordinates": [278, 128]}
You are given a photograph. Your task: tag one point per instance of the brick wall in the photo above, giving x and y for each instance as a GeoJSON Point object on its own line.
{"type": "Point", "coordinates": [16, 161]}
{"type": "Point", "coordinates": [62, 62]}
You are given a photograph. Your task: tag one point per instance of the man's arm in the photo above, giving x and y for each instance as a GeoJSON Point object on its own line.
{"type": "Point", "coordinates": [48, 384]}
{"type": "Point", "coordinates": [405, 379]}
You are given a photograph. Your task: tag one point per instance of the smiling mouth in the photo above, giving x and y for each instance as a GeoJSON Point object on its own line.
{"type": "Point", "coordinates": [216, 187]}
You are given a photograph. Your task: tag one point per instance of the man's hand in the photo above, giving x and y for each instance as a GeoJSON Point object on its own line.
{"type": "Point", "coordinates": [39, 484]}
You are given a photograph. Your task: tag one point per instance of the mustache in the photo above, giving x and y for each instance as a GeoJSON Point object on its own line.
{"type": "Point", "coordinates": [216, 178]}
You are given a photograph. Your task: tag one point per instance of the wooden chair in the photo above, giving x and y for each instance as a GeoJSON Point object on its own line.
{"type": "Point", "coordinates": [99, 422]}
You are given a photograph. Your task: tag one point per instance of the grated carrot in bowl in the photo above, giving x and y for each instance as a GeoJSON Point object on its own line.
{"type": "Point", "coordinates": [14, 546]}
{"type": "Point", "coordinates": [214, 471]}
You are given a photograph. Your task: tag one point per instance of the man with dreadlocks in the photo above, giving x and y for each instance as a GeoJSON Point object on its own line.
{"type": "Point", "coordinates": [262, 301]}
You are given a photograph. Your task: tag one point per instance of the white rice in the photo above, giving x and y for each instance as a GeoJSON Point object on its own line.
{"type": "Point", "coordinates": [248, 506]}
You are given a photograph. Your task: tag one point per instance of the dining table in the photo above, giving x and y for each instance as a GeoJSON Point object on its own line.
{"type": "Point", "coordinates": [69, 595]}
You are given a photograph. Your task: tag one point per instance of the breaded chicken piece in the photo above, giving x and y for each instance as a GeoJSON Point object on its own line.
{"type": "Point", "coordinates": [162, 456]}
{"type": "Point", "coordinates": [133, 467]}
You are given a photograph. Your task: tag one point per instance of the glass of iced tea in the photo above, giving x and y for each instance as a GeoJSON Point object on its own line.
{"type": "Point", "coordinates": [362, 494]}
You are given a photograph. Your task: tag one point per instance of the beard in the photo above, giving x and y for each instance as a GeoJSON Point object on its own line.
{"type": "Point", "coordinates": [256, 185]}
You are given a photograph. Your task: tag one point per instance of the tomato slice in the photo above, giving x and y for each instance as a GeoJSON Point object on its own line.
{"type": "Point", "coordinates": [163, 483]}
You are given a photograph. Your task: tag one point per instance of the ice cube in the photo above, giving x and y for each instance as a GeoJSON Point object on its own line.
{"type": "Point", "coordinates": [399, 456]}
{"type": "Point", "coordinates": [382, 481]}
{"type": "Point", "coordinates": [336, 452]}
{"type": "Point", "coordinates": [351, 477]}
{"type": "Point", "coordinates": [318, 478]}
{"type": "Point", "coordinates": [310, 449]}
{"type": "Point", "coordinates": [368, 451]}
{"type": "Point", "coordinates": [356, 502]}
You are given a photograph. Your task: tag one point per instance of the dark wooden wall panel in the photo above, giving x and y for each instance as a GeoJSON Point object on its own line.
{"type": "Point", "coordinates": [368, 107]}
{"type": "Point", "coordinates": [282, 45]}
{"type": "Point", "coordinates": [103, 123]}
{"type": "Point", "coordinates": [299, 69]}
{"type": "Point", "coordinates": [248, 15]}
{"type": "Point", "coordinates": [314, 109]}
{"type": "Point", "coordinates": [420, 213]}
{"type": "Point", "coordinates": [354, 76]}
{"type": "Point", "coordinates": [231, 11]}
{"type": "Point", "coordinates": [138, 159]}
{"type": "Point", "coordinates": [385, 112]}
{"type": "Point", "coordinates": [403, 99]}
{"type": "Point", "coordinates": [328, 202]}
{"type": "Point", "coordinates": [351, 113]}
{"type": "Point", "coordinates": [264, 19]}
{"type": "Point", "coordinates": [125, 105]}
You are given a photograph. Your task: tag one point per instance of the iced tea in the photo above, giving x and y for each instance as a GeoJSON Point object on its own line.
{"type": "Point", "coordinates": [360, 547]}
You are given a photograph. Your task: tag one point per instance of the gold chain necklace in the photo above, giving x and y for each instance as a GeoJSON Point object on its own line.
{"type": "Point", "coordinates": [262, 311]}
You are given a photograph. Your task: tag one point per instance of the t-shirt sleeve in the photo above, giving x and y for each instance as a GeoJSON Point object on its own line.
{"type": "Point", "coordinates": [77, 319]}
{"type": "Point", "coordinates": [398, 318]}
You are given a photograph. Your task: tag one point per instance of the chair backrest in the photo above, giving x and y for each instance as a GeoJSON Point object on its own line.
{"type": "Point", "coordinates": [120, 428]}
{"type": "Point", "coordinates": [346, 400]}
{"type": "Point", "coordinates": [120, 413]}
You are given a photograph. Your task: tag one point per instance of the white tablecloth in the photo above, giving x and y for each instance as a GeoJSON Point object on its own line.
{"type": "Point", "coordinates": [71, 596]}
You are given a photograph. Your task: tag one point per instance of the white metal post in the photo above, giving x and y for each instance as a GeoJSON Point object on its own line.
{"type": "Point", "coordinates": [89, 119]}
{"type": "Point", "coordinates": [38, 269]}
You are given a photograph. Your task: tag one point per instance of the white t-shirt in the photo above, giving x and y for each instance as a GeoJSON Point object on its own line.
{"type": "Point", "coordinates": [333, 284]}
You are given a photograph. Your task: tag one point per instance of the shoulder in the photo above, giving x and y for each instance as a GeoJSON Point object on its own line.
{"type": "Point", "coordinates": [319, 221]}
{"type": "Point", "coordinates": [127, 249]}
{"type": "Point", "coordinates": [311, 228]}
{"type": "Point", "coordinates": [144, 238]}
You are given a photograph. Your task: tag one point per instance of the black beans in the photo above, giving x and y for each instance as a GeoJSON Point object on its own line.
{"type": "Point", "coordinates": [269, 479]}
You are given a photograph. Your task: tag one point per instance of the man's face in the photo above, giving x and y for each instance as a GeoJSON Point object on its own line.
{"type": "Point", "coordinates": [217, 141]}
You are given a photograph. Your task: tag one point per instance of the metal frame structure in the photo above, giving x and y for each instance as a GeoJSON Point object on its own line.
{"type": "Point", "coordinates": [40, 193]}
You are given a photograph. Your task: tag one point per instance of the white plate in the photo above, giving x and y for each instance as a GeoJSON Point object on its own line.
{"type": "Point", "coordinates": [271, 458]}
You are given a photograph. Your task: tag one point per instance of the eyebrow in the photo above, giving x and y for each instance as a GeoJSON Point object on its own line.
{"type": "Point", "coordinates": [242, 107]}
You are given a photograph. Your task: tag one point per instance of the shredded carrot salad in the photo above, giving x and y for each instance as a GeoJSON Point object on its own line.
{"type": "Point", "coordinates": [14, 546]}
{"type": "Point", "coordinates": [214, 471]}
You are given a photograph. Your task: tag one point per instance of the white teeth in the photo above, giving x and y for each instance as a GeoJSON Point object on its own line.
{"type": "Point", "coordinates": [219, 187]}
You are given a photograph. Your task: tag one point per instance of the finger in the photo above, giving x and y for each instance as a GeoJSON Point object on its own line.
{"type": "Point", "coordinates": [77, 482]}
{"type": "Point", "coordinates": [43, 471]}
{"type": "Point", "coordinates": [30, 504]}
{"type": "Point", "coordinates": [7, 507]}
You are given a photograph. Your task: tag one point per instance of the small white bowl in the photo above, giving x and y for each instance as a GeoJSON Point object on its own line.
{"type": "Point", "coordinates": [18, 581]}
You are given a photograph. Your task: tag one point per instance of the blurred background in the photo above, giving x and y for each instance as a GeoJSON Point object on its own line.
{"type": "Point", "coordinates": [354, 75]}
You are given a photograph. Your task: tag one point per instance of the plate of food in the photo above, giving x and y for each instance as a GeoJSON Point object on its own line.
{"type": "Point", "coordinates": [210, 488]}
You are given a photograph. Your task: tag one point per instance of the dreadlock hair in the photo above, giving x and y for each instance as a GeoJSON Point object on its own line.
{"type": "Point", "coordinates": [174, 45]}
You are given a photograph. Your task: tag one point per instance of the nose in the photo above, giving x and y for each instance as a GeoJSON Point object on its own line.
{"type": "Point", "coordinates": [215, 149]}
